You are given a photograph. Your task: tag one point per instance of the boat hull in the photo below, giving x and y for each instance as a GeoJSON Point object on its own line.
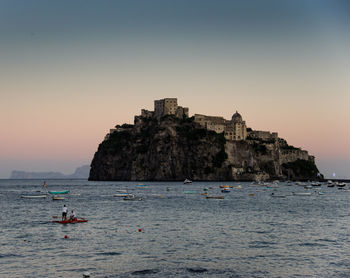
{"type": "Point", "coordinates": [33, 196]}
{"type": "Point", "coordinates": [59, 192]}
{"type": "Point", "coordinates": [69, 221]}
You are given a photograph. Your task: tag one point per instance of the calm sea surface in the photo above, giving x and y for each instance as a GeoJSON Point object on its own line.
{"type": "Point", "coordinates": [182, 235]}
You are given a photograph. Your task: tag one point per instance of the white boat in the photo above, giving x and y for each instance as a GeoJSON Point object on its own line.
{"type": "Point", "coordinates": [187, 181]}
{"type": "Point", "coordinates": [123, 194]}
{"type": "Point", "coordinates": [131, 197]}
{"type": "Point", "coordinates": [316, 183]}
{"type": "Point", "coordinates": [56, 198]}
{"type": "Point", "coordinates": [300, 183]}
{"type": "Point", "coordinates": [302, 193]}
{"type": "Point", "coordinates": [341, 184]}
{"type": "Point", "coordinates": [33, 196]}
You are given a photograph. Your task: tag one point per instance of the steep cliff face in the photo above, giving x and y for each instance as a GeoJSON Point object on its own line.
{"type": "Point", "coordinates": [174, 149]}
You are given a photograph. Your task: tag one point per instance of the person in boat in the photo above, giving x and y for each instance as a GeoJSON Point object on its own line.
{"type": "Point", "coordinates": [64, 212]}
{"type": "Point", "coordinates": [72, 215]}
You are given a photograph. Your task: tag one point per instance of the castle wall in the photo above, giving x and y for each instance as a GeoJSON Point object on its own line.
{"type": "Point", "coordinates": [292, 155]}
{"type": "Point", "coordinates": [265, 135]}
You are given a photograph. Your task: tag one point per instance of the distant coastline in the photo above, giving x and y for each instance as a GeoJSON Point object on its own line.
{"type": "Point", "coordinates": [80, 173]}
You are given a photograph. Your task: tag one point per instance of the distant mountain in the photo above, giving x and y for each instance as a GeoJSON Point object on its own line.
{"type": "Point", "coordinates": [80, 173]}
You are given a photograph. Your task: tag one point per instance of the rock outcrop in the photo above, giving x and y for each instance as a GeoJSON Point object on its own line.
{"type": "Point", "coordinates": [176, 149]}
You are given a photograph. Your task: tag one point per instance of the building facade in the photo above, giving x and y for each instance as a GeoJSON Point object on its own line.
{"type": "Point", "coordinates": [234, 129]}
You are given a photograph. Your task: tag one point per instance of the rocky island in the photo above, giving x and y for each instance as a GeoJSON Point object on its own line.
{"type": "Point", "coordinates": [166, 144]}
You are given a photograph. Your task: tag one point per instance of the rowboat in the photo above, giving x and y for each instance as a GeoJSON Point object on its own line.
{"type": "Point", "coordinates": [142, 185]}
{"type": "Point", "coordinates": [122, 194]}
{"type": "Point", "coordinates": [215, 197]}
{"type": "Point", "coordinates": [34, 196]}
{"type": "Point", "coordinates": [132, 198]}
{"type": "Point", "coordinates": [226, 186]}
{"type": "Point", "coordinates": [56, 198]}
{"type": "Point", "coordinates": [302, 193]}
{"type": "Point", "coordinates": [59, 192]}
{"type": "Point", "coordinates": [190, 192]}
{"type": "Point", "coordinates": [278, 195]}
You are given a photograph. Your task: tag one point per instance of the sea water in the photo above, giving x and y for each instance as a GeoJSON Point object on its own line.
{"type": "Point", "coordinates": [172, 234]}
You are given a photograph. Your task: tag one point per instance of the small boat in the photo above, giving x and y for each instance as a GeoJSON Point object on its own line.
{"type": "Point", "coordinates": [302, 193]}
{"type": "Point", "coordinates": [190, 192]}
{"type": "Point", "coordinates": [321, 193]}
{"type": "Point", "coordinates": [300, 183]}
{"type": "Point", "coordinates": [142, 185]}
{"type": "Point", "coordinates": [215, 197]}
{"type": "Point", "coordinates": [122, 194]}
{"type": "Point", "coordinates": [70, 221]}
{"type": "Point", "coordinates": [278, 195]}
{"type": "Point", "coordinates": [34, 196]}
{"type": "Point", "coordinates": [316, 183]}
{"type": "Point", "coordinates": [59, 192]}
{"type": "Point", "coordinates": [226, 186]}
{"type": "Point", "coordinates": [251, 194]}
{"type": "Point", "coordinates": [132, 198]}
{"type": "Point", "coordinates": [187, 181]}
{"type": "Point", "coordinates": [225, 190]}
{"type": "Point", "coordinates": [55, 198]}
{"type": "Point", "coordinates": [341, 184]}
{"type": "Point", "coordinates": [204, 194]}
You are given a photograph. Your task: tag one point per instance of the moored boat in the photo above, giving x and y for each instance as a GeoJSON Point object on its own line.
{"type": "Point", "coordinates": [187, 181]}
{"type": "Point", "coordinates": [316, 183]}
{"type": "Point", "coordinates": [56, 198]}
{"type": "Point", "coordinates": [341, 184]}
{"type": "Point", "coordinates": [34, 196]}
{"type": "Point", "coordinates": [122, 194]}
{"type": "Point", "coordinates": [278, 195]}
{"type": "Point", "coordinates": [226, 186]}
{"type": "Point", "coordinates": [132, 198]}
{"type": "Point", "coordinates": [189, 191]}
{"type": "Point", "coordinates": [302, 193]}
{"type": "Point", "coordinates": [215, 197]}
{"type": "Point", "coordinates": [59, 192]}
{"type": "Point", "coordinates": [225, 190]}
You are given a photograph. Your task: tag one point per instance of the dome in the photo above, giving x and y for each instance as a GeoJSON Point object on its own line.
{"type": "Point", "coordinates": [236, 117]}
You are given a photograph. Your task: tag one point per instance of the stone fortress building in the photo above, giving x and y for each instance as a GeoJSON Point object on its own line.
{"type": "Point", "coordinates": [163, 107]}
{"type": "Point", "coordinates": [234, 129]}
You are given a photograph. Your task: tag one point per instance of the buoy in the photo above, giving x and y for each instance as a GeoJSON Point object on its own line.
{"type": "Point", "coordinates": [86, 274]}
{"type": "Point", "coordinates": [140, 230]}
{"type": "Point", "coordinates": [65, 236]}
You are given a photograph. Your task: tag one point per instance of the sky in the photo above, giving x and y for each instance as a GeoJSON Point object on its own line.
{"type": "Point", "coordinates": [71, 70]}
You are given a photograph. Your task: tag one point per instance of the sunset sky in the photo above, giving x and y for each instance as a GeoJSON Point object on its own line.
{"type": "Point", "coordinates": [71, 70]}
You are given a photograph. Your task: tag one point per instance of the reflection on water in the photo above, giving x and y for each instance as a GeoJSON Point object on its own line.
{"type": "Point", "coordinates": [172, 234]}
